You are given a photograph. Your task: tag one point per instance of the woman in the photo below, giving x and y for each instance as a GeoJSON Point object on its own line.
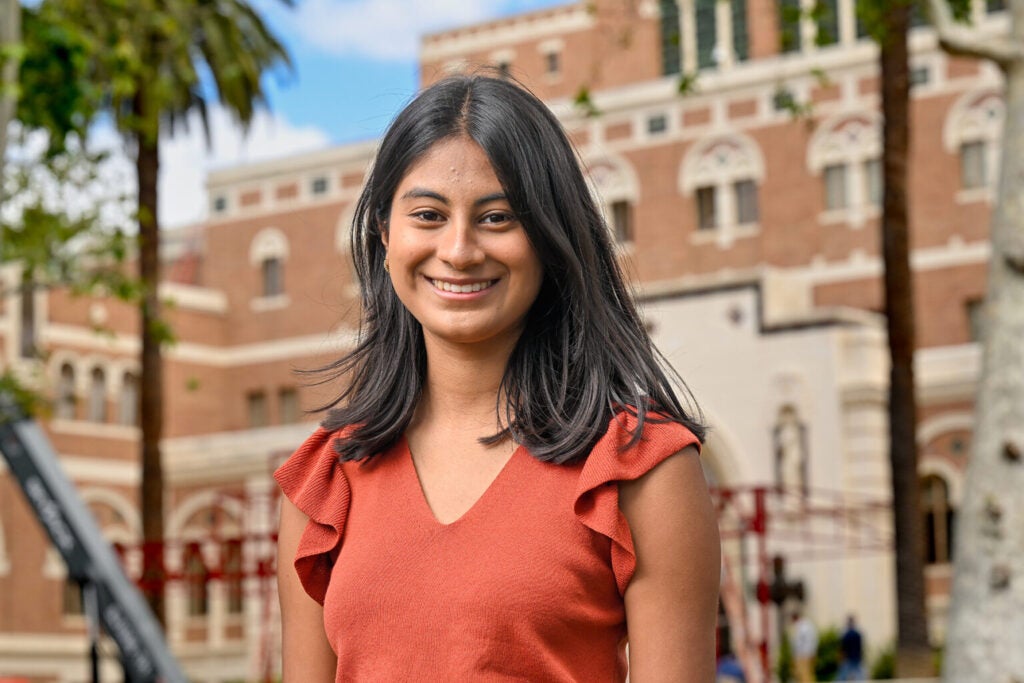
{"type": "Point", "coordinates": [506, 479]}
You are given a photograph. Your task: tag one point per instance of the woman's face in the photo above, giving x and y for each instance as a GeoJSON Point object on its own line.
{"type": "Point", "coordinates": [460, 260]}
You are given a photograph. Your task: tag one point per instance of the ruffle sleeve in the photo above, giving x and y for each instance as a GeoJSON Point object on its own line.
{"type": "Point", "coordinates": [312, 479]}
{"type": "Point", "coordinates": [596, 502]}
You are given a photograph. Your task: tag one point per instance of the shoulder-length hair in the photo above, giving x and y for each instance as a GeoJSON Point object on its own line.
{"type": "Point", "coordinates": [584, 354]}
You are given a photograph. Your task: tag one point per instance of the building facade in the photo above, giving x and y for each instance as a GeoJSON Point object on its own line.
{"type": "Point", "coordinates": [735, 149]}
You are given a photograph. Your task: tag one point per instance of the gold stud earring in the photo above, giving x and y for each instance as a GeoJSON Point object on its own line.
{"type": "Point", "coordinates": [387, 266]}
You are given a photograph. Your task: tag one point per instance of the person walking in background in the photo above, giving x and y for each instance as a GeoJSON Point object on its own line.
{"type": "Point", "coordinates": [805, 647]}
{"type": "Point", "coordinates": [729, 669]}
{"type": "Point", "coordinates": [851, 649]}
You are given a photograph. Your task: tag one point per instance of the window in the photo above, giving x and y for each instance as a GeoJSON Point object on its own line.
{"type": "Point", "coordinates": [98, 396]}
{"type": "Point", "coordinates": [707, 34]}
{"type": "Point", "coordinates": [920, 76]}
{"type": "Point", "coordinates": [552, 62]}
{"type": "Point", "coordinates": [746, 202]}
{"type": "Point", "coordinates": [256, 403]}
{"type": "Point", "coordinates": [671, 41]}
{"type": "Point", "coordinates": [128, 413]}
{"type": "Point", "coordinates": [288, 405]}
{"type": "Point", "coordinates": [319, 185]}
{"type": "Point", "coordinates": [27, 347]}
{"type": "Point", "coordinates": [826, 19]}
{"type": "Point", "coordinates": [783, 100]}
{"type": "Point", "coordinates": [196, 579]}
{"type": "Point", "coordinates": [657, 124]}
{"type": "Point", "coordinates": [722, 174]}
{"type": "Point", "coordinates": [706, 208]}
{"type": "Point", "coordinates": [233, 576]}
{"type": "Point", "coordinates": [703, 34]}
{"type": "Point", "coordinates": [220, 204]}
{"type": "Point", "coordinates": [862, 28]}
{"type": "Point", "coordinates": [917, 15]}
{"type": "Point", "coordinates": [939, 517]}
{"type": "Point", "coordinates": [873, 177]}
{"type": "Point", "coordinates": [72, 603]}
{"type": "Point", "coordinates": [995, 6]}
{"type": "Point", "coordinates": [973, 131]}
{"type": "Point", "coordinates": [789, 25]}
{"type": "Point", "coordinates": [273, 276]}
{"type": "Point", "coordinates": [835, 187]}
{"type": "Point", "coordinates": [622, 221]}
{"type": "Point", "coordinates": [845, 153]}
{"type": "Point", "coordinates": [615, 188]}
{"type": "Point", "coordinates": [66, 401]}
{"type": "Point", "coordinates": [740, 36]}
{"type": "Point", "coordinates": [975, 311]}
{"type": "Point", "coordinates": [268, 253]}
{"type": "Point", "coordinates": [973, 165]}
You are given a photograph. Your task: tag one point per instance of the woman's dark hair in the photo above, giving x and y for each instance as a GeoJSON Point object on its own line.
{"type": "Point", "coordinates": [584, 354]}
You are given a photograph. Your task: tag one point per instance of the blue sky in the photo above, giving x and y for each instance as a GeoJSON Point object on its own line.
{"type": "Point", "coordinates": [355, 65]}
{"type": "Point", "coordinates": [356, 60]}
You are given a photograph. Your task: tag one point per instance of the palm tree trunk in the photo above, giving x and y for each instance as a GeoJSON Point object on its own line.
{"type": "Point", "coordinates": [147, 168]}
{"type": "Point", "coordinates": [913, 651]}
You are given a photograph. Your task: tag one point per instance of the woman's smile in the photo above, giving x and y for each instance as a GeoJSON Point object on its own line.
{"type": "Point", "coordinates": [461, 286]}
{"type": "Point", "coordinates": [459, 258]}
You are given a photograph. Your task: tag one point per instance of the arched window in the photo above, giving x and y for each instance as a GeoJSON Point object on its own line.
{"type": "Point", "coordinates": [66, 400]}
{"type": "Point", "coordinates": [972, 130]}
{"type": "Point", "coordinates": [272, 270]}
{"type": "Point", "coordinates": [232, 575]}
{"type": "Point", "coordinates": [723, 175]}
{"type": "Point", "coordinates": [269, 252]}
{"type": "Point", "coordinates": [197, 578]}
{"type": "Point", "coordinates": [128, 409]}
{"type": "Point", "coordinates": [615, 186]}
{"type": "Point", "coordinates": [939, 515]}
{"type": "Point", "coordinates": [846, 153]}
{"type": "Point", "coordinates": [98, 396]}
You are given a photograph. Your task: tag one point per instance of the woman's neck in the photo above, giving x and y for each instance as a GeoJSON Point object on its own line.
{"type": "Point", "coordinates": [462, 385]}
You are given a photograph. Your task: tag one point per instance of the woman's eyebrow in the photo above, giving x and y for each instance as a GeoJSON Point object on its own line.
{"type": "Point", "coordinates": [424, 193]}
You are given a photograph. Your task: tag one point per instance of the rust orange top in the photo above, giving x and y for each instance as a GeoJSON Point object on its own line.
{"type": "Point", "coordinates": [526, 585]}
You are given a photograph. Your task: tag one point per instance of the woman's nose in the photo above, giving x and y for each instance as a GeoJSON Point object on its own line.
{"type": "Point", "coordinates": [459, 247]}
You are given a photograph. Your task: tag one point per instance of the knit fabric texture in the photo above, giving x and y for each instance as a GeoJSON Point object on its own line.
{"type": "Point", "coordinates": [527, 585]}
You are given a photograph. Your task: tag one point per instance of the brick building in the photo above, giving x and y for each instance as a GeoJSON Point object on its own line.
{"type": "Point", "coordinates": [735, 148]}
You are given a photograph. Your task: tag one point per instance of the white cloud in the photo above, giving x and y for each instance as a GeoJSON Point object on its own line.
{"type": "Point", "coordinates": [386, 30]}
{"type": "Point", "coordinates": [186, 158]}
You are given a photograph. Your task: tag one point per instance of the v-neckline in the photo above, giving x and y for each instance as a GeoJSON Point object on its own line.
{"type": "Point", "coordinates": [481, 501]}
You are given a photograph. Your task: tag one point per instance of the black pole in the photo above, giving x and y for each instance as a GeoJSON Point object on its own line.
{"type": "Point", "coordinates": [92, 625]}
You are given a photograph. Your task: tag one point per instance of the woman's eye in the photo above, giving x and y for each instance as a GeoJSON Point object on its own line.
{"type": "Point", "coordinates": [498, 218]}
{"type": "Point", "coordinates": [429, 216]}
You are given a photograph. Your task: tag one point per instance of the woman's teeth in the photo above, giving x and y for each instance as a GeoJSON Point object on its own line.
{"type": "Point", "coordinates": [462, 289]}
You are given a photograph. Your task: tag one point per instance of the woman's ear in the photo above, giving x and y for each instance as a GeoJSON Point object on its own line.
{"type": "Point", "coordinates": [383, 227]}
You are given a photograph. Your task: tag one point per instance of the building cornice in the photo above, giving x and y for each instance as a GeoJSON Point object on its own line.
{"type": "Point", "coordinates": [521, 28]}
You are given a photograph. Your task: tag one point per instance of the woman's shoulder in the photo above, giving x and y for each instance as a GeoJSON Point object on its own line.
{"type": "Point", "coordinates": [314, 469]}
{"type": "Point", "coordinates": [626, 439]}
{"type": "Point", "coordinates": [621, 455]}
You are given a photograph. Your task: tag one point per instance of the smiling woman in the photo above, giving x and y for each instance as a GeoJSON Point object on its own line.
{"type": "Point", "coordinates": [460, 260]}
{"type": "Point", "coordinates": [506, 478]}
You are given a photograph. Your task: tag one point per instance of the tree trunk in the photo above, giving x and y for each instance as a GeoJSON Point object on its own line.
{"type": "Point", "coordinates": [913, 651]}
{"type": "Point", "coordinates": [983, 642]}
{"type": "Point", "coordinates": [151, 391]}
{"type": "Point", "coordinates": [10, 34]}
